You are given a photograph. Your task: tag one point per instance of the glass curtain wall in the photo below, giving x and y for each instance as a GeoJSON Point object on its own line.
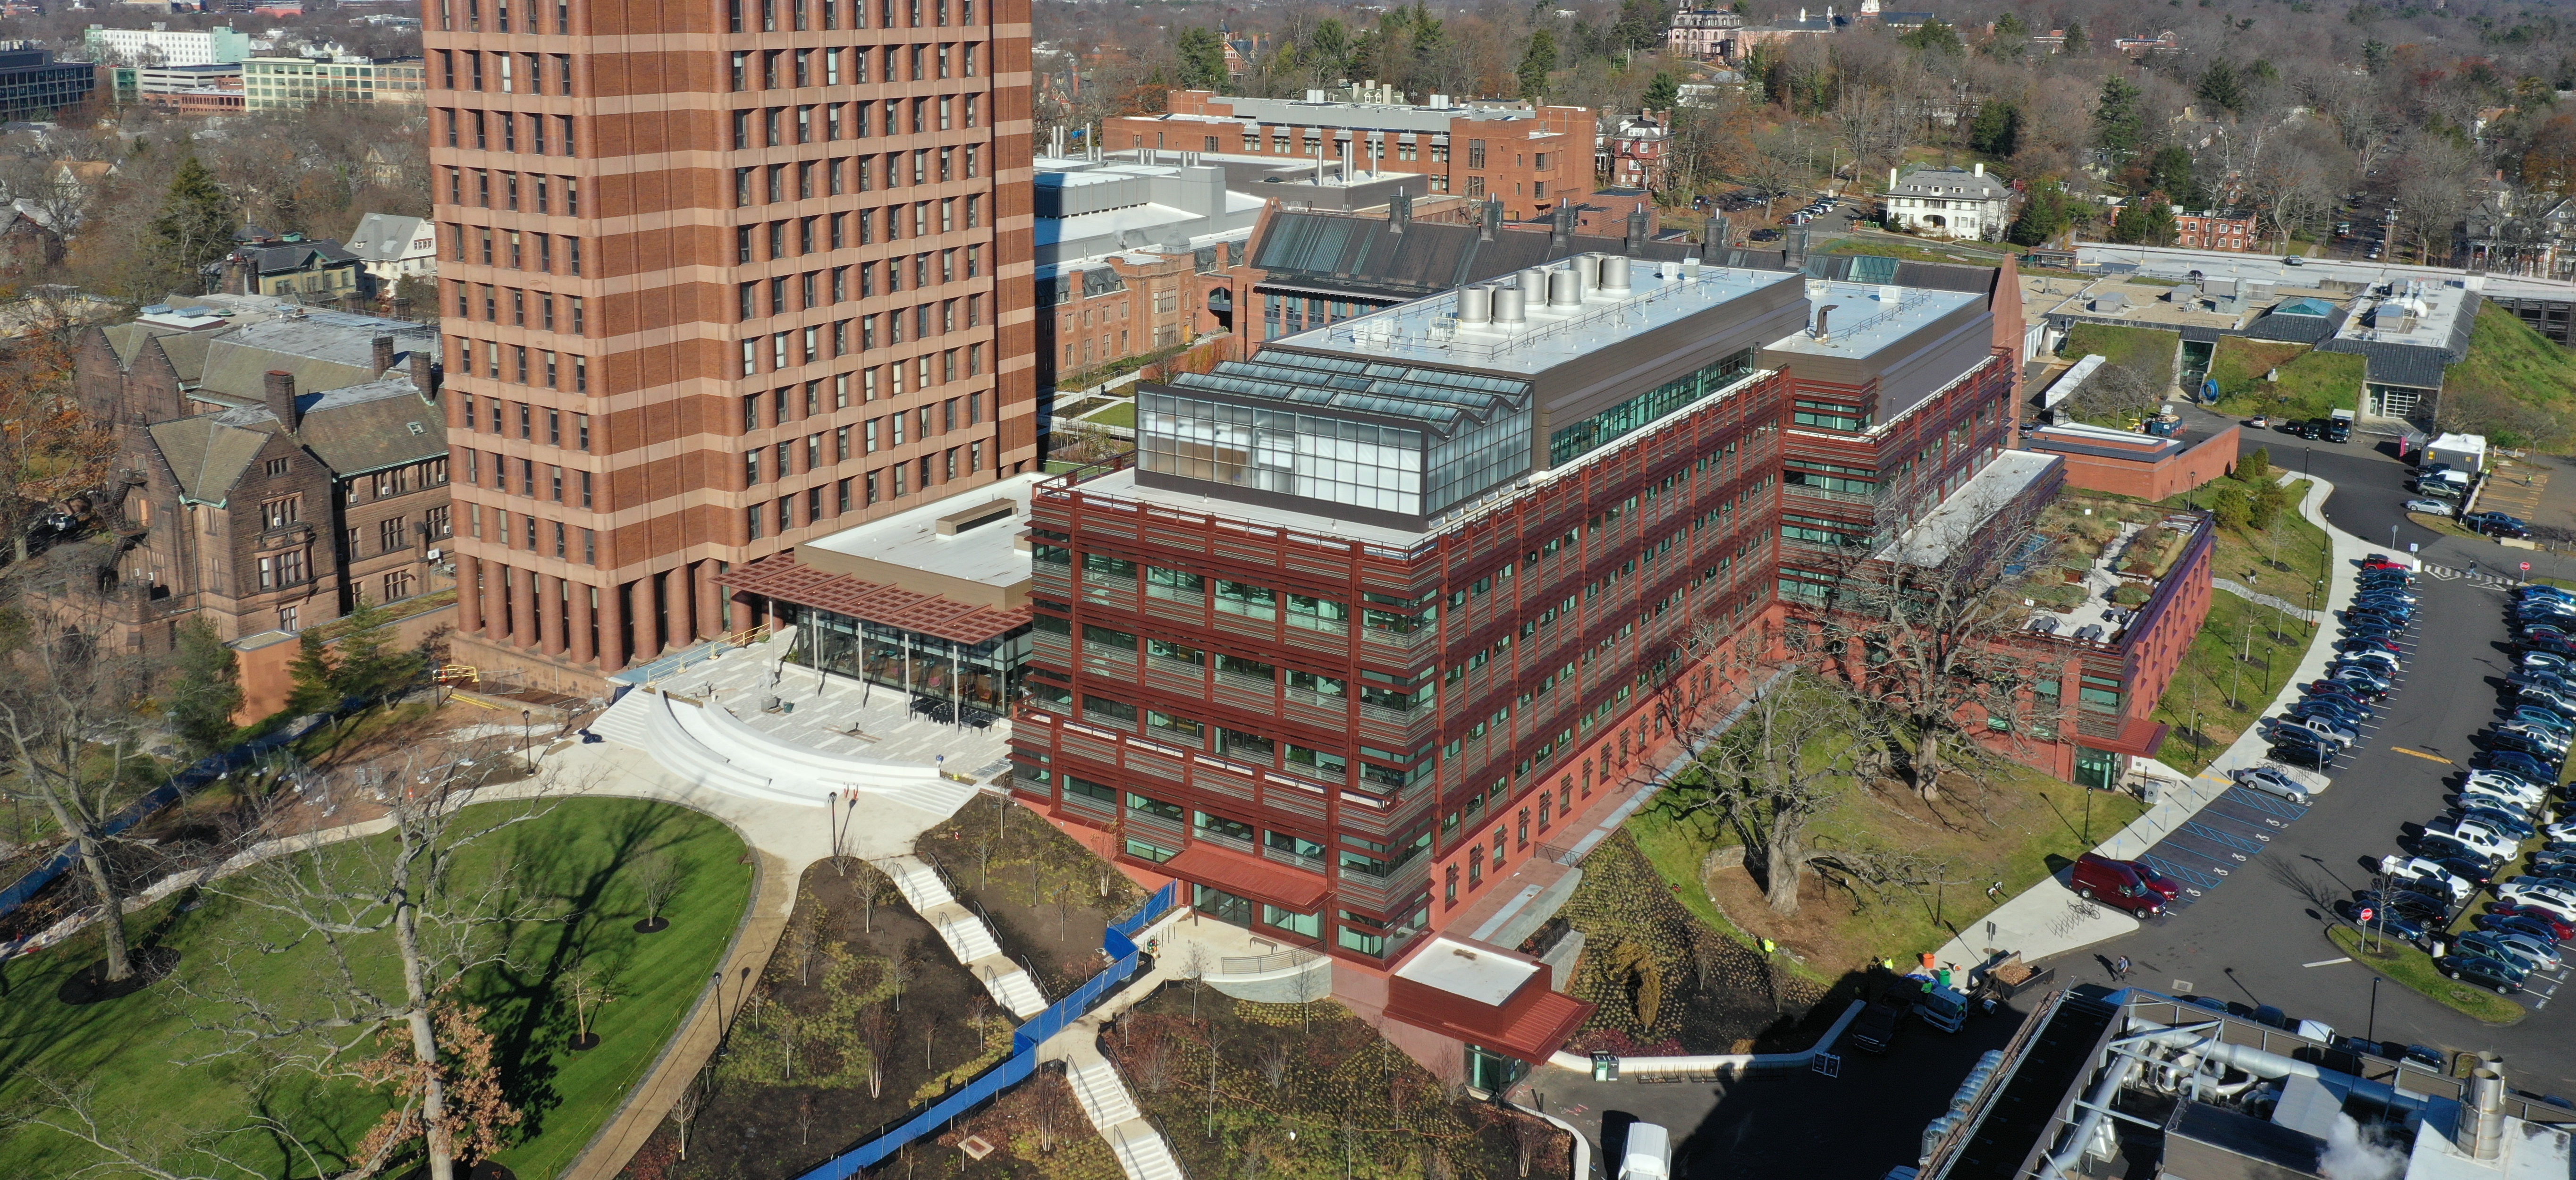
{"type": "Point", "coordinates": [983, 675]}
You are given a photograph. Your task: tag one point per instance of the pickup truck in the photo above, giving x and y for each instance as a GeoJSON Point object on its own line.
{"type": "Point", "coordinates": [1876, 1029]}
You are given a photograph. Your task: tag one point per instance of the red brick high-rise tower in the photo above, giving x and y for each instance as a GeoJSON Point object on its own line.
{"type": "Point", "coordinates": [715, 276]}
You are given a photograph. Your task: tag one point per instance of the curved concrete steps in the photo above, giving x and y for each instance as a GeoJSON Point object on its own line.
{"type": "Point", "coordinates": [705, 743]}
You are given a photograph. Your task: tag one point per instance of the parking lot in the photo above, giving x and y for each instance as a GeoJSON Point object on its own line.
{"type": "Point", "coordinates": [2260, 938]}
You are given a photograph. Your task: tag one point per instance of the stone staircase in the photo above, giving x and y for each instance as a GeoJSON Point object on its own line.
{"type": "Point", "coordinates": [1141, 1152]}
{"type": "Point", "coordinates": [966, 935]}
{"type": "Point", "coordinates": [705, 743]}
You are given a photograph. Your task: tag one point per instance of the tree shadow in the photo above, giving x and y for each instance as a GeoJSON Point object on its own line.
{"type": "Point", "coordinates": [527, 1022]}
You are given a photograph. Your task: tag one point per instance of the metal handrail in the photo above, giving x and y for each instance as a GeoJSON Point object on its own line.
{"type": "Point", "coordinates": [1259, 964]}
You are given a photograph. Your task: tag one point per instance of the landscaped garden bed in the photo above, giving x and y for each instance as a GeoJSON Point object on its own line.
{"type": "Point", "coordinates": [1309, 1091]}
{"type": "Point", "coordinates": [575, 868]}
{"type": "Point", "coordinates": [1048, 897]}
{"type": "Point", "coordinates": [1666, 982]}
{"type": "Point", "coordinates": [861, 1016]}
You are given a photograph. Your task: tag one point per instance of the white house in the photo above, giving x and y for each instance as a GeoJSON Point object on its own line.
{"type": "Point", "coordinates": [1953, 202]}
{"type": "Point", "coordinates": [391, 249]}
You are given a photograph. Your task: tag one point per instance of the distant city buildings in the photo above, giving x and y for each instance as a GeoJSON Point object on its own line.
{"type": "Point", "coordinates": [293, 83]}
{"type": "Point", "coordinates": [34, 86]}
{"type": "Point", "coordinates": [1531, 157]}
{"type": "Point", "coordinates": [161, 45]}
{"type": "Point", "coordinates": [2215, 229]}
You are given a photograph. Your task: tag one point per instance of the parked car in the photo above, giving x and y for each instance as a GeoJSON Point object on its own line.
{"type": "Point", "coordinates": [2546, 892]}
{"type": "Point", "coordinates": [2513, 827]}
{"type": "Point", "coordinates": [1648, 1154]}
{"type": "Point", "coordinates": [2123, 884]}
{"type": "Point", "coordinates": [2541, 698]}
{"type": "Point", "coordinates": [2516, 763]}
{"type": "Point", "coordinates": [2272, 782]}
{"type": "Point", "coordinates": [2521, 950]}
{"type": "Point", "coordinates": [2423, 907]}
{"type": "Point", "coordinates": [2534, 715]}
{"type": "Point", "coordinates": [2400, 926]}
{"type": "Point", "coordinates": [2425, 874]}
{"type": "Point", "coordinates": [2526, 741]}
{"type": "Point", "coordinates": [2313, 755]}
{"type": "Point", "coordinates": [2479, 839]}
{"type": "Point", "coordinates": [2428, 506]}
{"type": "Point", "coordinates": [2561, 928]}
{"type": "Point", "coordinates": [2485, 972]}
{"type": "Point", "coordinates": [2319, 728]}
{"type": "Point", "coordinates": [1876, 1029]}
{"type": "Point", "coordinates": [2351, 688]}
{"type": "Point", "coordinates": [2382, 561]}
{"type": "Point", "coordinates": [2496, 524]}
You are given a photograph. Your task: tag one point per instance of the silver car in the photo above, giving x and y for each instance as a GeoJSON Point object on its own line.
{"type": "Point", "coordinates": [2271, 781]}
{"type": "Point", "coordinates": [2530, 952]}
{"type": "Point", "coordinates": [2434, 507]}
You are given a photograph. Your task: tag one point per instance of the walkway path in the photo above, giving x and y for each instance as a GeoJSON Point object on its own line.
{"type": "Point", "coordinates": [2241, 590]}
{"type": "Point", "coordinates": [966, 935]}
{"type": "Point", "coordinates": [2047, 919]}
{"type": "Point", "coordinates": [1103, 1095]}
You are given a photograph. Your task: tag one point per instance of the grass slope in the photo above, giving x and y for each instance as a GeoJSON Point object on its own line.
{"type": "Point", "coordinates": [2147, 349]}
{"type": "Point", "coordinates": [2311, 383]}
{"type": "Point", "coordinates": [572, 858]}
{"type": "Point", "coordinates": [2415, 969]}
{"type": "Point", "coordinates": [2514, 386]}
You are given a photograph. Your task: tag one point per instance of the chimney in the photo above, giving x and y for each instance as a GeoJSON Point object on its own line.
{"type": "Point", "coordinates": [279, 386]}
{"type": "Point", "coordinates": [384, 353]}
{"type": "Point", "coordinates": [1562, 234]}
{"type": "Point", "coordinates": [1719, 235]}
{"type": "Point", "coordinates": [1636, 226]}
{"type": "Point", "coordinates": [1981, 167]}
{"type": "Point", "coordinates": [423, 377]}
{"type": "Point", "coordinates": [1399, 210]}
{"type": "Point", "coordinates": [1891, 179]}
{"type": "Point", "coordinates": [1492, 225]}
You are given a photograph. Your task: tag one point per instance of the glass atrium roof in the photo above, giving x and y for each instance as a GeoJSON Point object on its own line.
{"type": "Point", "coordinates": [1446, 402]}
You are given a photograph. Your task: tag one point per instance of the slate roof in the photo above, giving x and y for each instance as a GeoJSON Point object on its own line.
{"type": "Point", "coordinates": [278, 258]}
{"type": "Point", "coordinates": [2411, 365]}
{"type": "Point", "coordinates": [352, 430]}
{"type": "Point", "coordinates": [384, 237]}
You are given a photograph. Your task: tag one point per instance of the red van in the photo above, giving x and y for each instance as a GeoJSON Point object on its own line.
{"type": "Point", "coordinates": [2123, 884]}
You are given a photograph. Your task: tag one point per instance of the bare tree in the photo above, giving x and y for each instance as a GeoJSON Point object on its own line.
{"type": "Point", "coordinates": [1272, 1061]}
{"type": "Point", "coordinates": [655, 877]}
{"type": "Point", "coordinates": [74, 748]}
{"type": "Point", "coordinates": [585, 987]}
{"type": "Point", "coordinates": [1923, 624]}
{"type": "Point", "coordinates": [685, 1108]}
{"type": "Point", "coordinates": [1769, 777]}
{"type": "Point", "coordinates": [352, 905]}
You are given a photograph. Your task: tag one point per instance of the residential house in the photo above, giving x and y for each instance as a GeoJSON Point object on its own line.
{"type": "Point", "coordinates": [2216, 229]}
{"type": "Point", "coordinates": [390, 249]}
{"type": "Point", "coordinates": [316, 270]}
{"type": "Point", "coordinates": [1707, 34]}
{"type": "Point", "coordinates": [1953, 202]}
{"type": "Point", "coordinates": [1637, 152]}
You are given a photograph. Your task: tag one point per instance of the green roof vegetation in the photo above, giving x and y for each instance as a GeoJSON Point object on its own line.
{"type": "Point", "coordinates": [2515, 386]}
{"type": "Point", "coordinates": [2311, 383]}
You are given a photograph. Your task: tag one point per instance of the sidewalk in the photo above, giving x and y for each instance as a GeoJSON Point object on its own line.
{"type": "Point", "coordinates": [2048, 919]}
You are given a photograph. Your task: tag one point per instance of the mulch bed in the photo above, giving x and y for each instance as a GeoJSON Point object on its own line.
{"type": "Point", "coordinates": [1048, 897]}
{"type": "Point", "coordinates": [1664, 981]}
{"type": "Point", "coordinates": [767, 1121]}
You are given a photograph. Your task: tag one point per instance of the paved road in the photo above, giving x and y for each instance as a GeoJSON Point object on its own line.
{"type": "Point", "coordinates": [2250, 940]}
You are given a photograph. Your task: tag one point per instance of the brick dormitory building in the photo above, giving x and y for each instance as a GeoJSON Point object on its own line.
{"type": "Point", "coordinates": [1378, 624]}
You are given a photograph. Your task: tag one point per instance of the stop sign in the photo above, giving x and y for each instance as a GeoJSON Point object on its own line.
{"type": "Point", "coordinates": [2368, 913]}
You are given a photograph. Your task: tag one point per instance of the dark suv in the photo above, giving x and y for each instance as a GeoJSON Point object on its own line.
{"type": "Point", "coordinates": [2337, 430]}
{"type": "Point", "coordinates": [2496, 524]}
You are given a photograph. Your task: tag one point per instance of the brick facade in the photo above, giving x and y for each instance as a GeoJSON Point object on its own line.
{"type": "Point", "coordinates": [732, 237]}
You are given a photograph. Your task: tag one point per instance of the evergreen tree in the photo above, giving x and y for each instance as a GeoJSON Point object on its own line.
{"type": "Point", "coordinates": [2257, 467]}
{"type": "Point", "coordinates": [1664, 92]}
{"type": "Point", "coordinates": [1328, 49]}
{"type": "Point", "coordinates": [2146, 221]}
{"type": "Point", "coordinates": [1997, 129]}
{"type": "Point", "coordinates": [2119, 126]}
{"type": "Point", "coordinates": [2169, 171]}
{"type": "Point", "coordinates": [195, 227]}
{"type": "Point", "coordinates": [2043, 216]}
{"type": "Point", "coordinates": [315, 674]}
{"type": "Point", "coordinates": [2075, 40]}
{"type": "Point", "coordinates": [1202, 59]}
{"type": "Point", "coordinates": [205, 689]}
{"type": "Point", "coordinates": [1536, 62]}
{"type": "Point", "coordinates": [2220, 87]}
{"type": "Point", "coordinates": [1934, 36]}
{"type": "Point", "coordinates": [367, 667]}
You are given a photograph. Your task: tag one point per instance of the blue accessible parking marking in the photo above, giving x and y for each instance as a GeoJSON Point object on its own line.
{"type": "Point", "coordinates": [2223, 837]}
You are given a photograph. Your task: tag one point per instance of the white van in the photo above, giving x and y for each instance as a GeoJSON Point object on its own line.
{"type": "Point", "coordinates": [1650, 1153]}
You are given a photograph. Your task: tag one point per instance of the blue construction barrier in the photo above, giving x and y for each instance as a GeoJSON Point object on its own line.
{"type": "Point", "coordinates": [205, 770]}
{"type": "Point", "coordinates": [1119, 940]}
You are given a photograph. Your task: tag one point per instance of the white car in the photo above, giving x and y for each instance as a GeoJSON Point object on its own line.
{"type": "Point", "coordinates": [2424, 872]}
{"type": "Point", "coordinates": [2514, 796]}
{"type": "Point", "coordinates": [2315, 727]}
{"type": "Point", "coordinates": [2435, 507]}
{"type": "Point", "coordinates": [2564, 829]}
{"type": "Point", "coordinates": [2271, 781]}
{"type": "Point", "coordinates": [2547, 893]}
{"type": "Point", "coordinates": [2476, 837]}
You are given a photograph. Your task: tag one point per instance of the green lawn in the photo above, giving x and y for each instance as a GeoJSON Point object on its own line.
{"type": "Point", "coordinates": [2311, 383]}
{"type": "Point", "coordinates": [2145, 348]}
{"type": "Point", "coordinates": [2027, 817]}
{"type": "Point", "coordinates": [2415, 969]}
{"type": "Point", "coordinates": [1119, 414]}
{"type": "Point", "coordinates": [570, 859]}
{"type": "Point", "coordinates": [2514, 386]}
